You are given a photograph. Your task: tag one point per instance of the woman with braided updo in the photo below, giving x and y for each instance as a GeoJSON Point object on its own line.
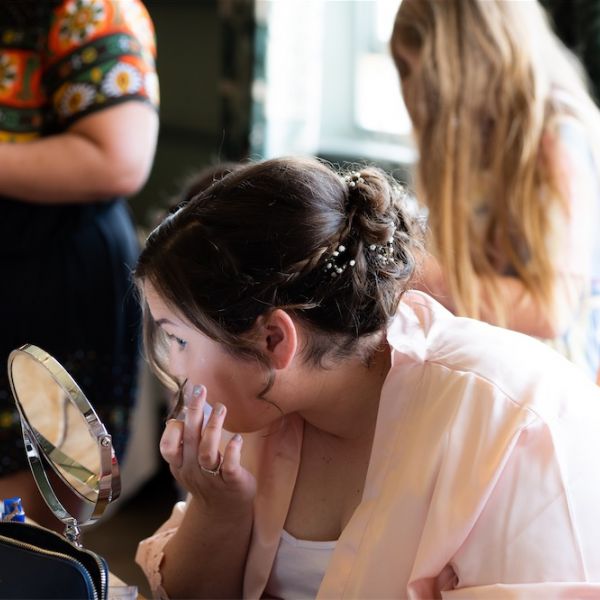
{"type": "Point", "coordinates": [363, 441]}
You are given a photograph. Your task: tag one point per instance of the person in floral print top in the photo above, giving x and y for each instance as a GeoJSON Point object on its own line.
{"type": "Point", "coordinates": [78, 130]}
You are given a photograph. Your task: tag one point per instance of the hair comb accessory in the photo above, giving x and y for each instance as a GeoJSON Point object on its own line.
{"type": "Point", "coordinates": [385, 252]}
{"type": "Point", "coordinates": [354, 179]}
{"type": "Point", "coordinates": [335, 265]}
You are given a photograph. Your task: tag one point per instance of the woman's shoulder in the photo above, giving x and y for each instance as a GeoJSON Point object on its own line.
{"type": "Point", "coordinates": [564, 130]}
{"type": "Point", "coordinates": [504, 366]}
{"type": "Point", "coordinates": [572, 124]}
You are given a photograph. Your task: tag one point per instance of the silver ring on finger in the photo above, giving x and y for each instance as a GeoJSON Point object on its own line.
{"type": "Point", "coordinates": [214, 472]}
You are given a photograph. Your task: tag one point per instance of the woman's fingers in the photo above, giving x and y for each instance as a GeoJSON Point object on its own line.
{"type": "Point", "coordinates": [208, 450]}
{"type": "Point", "coordinates": [189, 443]}
{"type": "Point", "coordinates": [232, 467]}
{"type": "Point", "coordinates": [171, 441]}
{"type": "Point", "coordinates": [194, 418]}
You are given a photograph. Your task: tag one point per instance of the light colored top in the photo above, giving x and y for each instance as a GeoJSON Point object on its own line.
{"type": "Point", "coordinates": [298, 568]}
{"type": "Point", "coordinates": [581, 341]}
{"type": "Point", "coordinates": [483, 480]}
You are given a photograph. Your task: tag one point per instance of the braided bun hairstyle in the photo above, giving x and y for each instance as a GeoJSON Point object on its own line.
{"type": "Point", "coordinates": [288, 233]}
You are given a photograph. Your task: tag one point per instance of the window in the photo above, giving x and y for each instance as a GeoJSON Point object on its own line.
{"type": "Point", "coordinates": [363, 112]}
{"type": "Point", "coordinates": [325, 82]}
{"type": "Point", "coordinates": [378, 105]}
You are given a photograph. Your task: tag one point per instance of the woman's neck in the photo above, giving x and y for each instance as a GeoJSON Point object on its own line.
{"type": "Point", "coordinates": [343, 401]}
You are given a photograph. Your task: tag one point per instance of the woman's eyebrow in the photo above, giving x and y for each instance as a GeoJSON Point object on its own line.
{"type": "Point", "coordinates": [163, 322]}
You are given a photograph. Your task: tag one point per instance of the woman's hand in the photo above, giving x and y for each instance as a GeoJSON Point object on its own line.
{"type": "Point", "coordinates": [217, 525]}
{"type": "Point", "coordinates": [193, 455]}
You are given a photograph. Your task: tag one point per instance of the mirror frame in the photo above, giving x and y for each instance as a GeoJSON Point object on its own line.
{"type": "Point", "coordinates": [109, 481]}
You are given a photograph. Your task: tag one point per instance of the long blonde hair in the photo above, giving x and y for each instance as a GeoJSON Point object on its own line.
{"type": "Point", "coordinates": [488, 71]}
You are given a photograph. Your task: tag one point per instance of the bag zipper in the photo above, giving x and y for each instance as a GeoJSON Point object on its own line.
{"type": "Point", "coordinates": [59, 555]}
{"type": "Point", "coordinates": [103, 577]}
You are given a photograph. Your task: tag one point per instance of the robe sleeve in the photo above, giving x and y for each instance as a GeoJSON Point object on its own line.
{"type": "Point", "coordinates": [150, 553]}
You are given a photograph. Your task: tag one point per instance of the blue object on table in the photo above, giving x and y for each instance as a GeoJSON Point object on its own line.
{"type": "Point", "coordinates": [13, 510]}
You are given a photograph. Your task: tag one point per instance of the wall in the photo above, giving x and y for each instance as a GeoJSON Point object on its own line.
{"type": "Point", "coordinates": [189, 55]}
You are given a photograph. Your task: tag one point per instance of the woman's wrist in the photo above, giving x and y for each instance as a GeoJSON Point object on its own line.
{"type": "Point", "coordinates": [217, 511]}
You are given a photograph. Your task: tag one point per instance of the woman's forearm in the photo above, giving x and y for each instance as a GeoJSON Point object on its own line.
{"type": "Point", "coordinates": [103, 155]}
{"type": "Point", "coordinates": [525, 313]}
{"type": "Point", "coordinates": [207, 555]}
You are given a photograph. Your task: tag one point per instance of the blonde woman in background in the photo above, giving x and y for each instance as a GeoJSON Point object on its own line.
{"type": "Point", "coordinates": [507, 136]}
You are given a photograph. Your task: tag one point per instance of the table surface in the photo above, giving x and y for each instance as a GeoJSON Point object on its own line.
{"type": "Point", "coordinates": [114, 583]}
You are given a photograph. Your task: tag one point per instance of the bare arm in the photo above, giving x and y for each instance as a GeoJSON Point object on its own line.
{"type": "Point", "coordinates": [105, 154]}
{"type": "Point", "coordinates": [525, 314]}
{"type": "Point", "coordinates": [206, 556]}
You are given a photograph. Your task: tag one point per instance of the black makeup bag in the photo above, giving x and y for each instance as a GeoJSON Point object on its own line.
{"type": "Point", "coordinates": [38, 563]}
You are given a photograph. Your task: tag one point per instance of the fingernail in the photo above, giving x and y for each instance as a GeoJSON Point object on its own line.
{"type": "Point", "coordinates": [219, 409]}
{"type": "Point", "coordinates": [197, 394]}
{"type": "Point", "coordinates": [237, 438]}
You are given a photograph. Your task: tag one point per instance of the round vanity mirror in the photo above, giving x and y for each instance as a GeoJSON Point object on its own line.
{"type": "Point", "coordinates": [68, 448]}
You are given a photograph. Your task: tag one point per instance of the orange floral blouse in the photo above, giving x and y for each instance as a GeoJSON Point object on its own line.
{"type": "Point", "coordinates": [93, 54]}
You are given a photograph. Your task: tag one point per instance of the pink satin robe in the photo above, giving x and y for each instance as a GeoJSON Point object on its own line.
{"type": "Point", "coordinates": [483, 482]}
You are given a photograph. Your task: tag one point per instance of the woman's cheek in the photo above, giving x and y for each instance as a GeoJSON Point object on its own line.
{"type": "Point", "coordinates": [176, 365]}
{"type": "Point", "coordinates": [198, 370]}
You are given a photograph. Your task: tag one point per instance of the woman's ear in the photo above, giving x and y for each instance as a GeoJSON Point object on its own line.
{"type": "Point", "coordinates": [278, 338]}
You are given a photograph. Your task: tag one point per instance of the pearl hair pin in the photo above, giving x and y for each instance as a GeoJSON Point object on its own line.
{"type": "Point", "coordinates": [354, 179]}
{"type": "Point", "coordinates": [336, 263]}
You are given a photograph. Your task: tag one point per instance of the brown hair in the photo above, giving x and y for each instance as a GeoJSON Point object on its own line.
{"type": "Point", "coordinates": [260, 239]}
{"type": "Point", "coordinates": [201, 180]}
{"type": "Point", "coordinates": [485, 93]}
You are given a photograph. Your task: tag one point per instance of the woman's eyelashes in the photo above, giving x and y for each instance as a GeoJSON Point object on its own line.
{"type": "Point", "coordinates": [180, 343]}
